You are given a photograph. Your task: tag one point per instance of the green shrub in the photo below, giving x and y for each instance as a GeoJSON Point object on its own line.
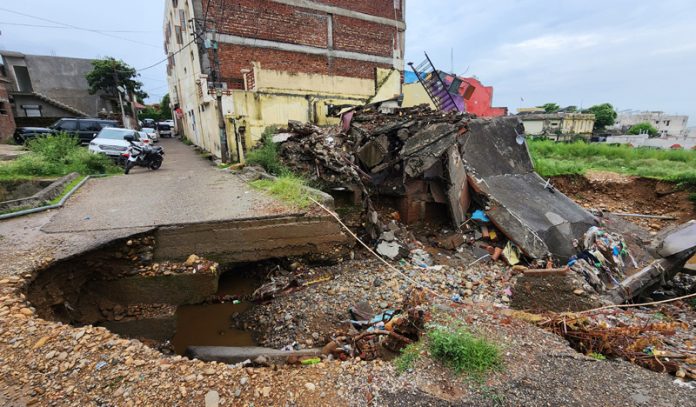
{"type": "Point", "coordinates": [464, 352]}
{"type": "Point", "coordinates": [266, 154]}
{"type": "Point", "coordinates": [596, 356]}
{"type": "Point", "coordinates": [408, 357]}
{"type": "Point", "coordinates": [57, 155]}
{"type": "Point", "coordinates": [186, 141]}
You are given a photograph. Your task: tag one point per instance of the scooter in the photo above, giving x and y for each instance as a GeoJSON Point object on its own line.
{"type": "Point", "coordinates": [143, 156]}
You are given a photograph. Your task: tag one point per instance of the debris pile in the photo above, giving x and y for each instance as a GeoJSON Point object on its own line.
{"type": "Point", "coordinates": [601, 258]}
{"type": "Point", "coordinates": [367, 333]}
{"type": "Point", "coordinates": [661, 340]}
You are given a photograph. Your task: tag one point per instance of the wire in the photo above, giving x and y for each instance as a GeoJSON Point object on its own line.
{"type": "Point", "coordinates": [78, 28]}
{"type": "Point", "coordinates": [71, 28]}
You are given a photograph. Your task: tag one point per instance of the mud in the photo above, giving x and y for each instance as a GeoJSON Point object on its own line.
{"type": "Point", "coordinates": [619, 193]}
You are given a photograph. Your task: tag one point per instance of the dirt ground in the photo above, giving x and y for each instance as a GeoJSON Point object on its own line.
{"type": "Point", "coordinates": [626, 194]}
{"type": "Point", "coordinates": [47, 363]}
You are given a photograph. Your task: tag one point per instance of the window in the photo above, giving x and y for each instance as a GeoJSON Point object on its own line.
{"type": "Point", "coordinates": [666, 122]}
{"type": "Point", "coordinates": [32, 110]}
{"type": "Point", "coordinates": [3, 108]}
{"type": "Point", "coordinates": [182, 19]}
{"type": "Point", "coordinates": [23, 79]}
{"type": "Point", "coordinates": [89, 125]}
{"type": "Point", "coordinates": [67, 125]}
{"type": "Point", "coordinates": [179, 36]}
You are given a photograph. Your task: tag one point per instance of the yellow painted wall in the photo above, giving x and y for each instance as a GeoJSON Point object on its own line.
{"type": "Point", "coordinates": [414, 94]}
{"type": "Point", "coordinates": [533, 127]}
{"type": "Point", "coordinates": [578, 124]}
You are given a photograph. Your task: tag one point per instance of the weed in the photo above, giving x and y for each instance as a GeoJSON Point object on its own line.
{"type": "Point", "coordinates": [464, 352]}
{"type": "Point", "coordinates": [493, 396]}
{"type": "Point", "coordinates": [266, 154]}
{"type": "Point", "coordinates": [20, 208]}
{"type": "Point", "coordinates": [408, 357]}
{"type": "Point", "coordinates": [67, 189]}
{"type": "Point", "coordinates": [186, 141]}
{"type": "Point", "coordinates": [597, 356]}
{"type": "Point", "coordinates": [56, 155]}
{"type": "Point", "coordinates": [287, 187]}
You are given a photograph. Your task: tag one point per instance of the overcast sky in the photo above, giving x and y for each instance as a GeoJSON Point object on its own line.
{"type": "Point", "coordinates": [634, 54]}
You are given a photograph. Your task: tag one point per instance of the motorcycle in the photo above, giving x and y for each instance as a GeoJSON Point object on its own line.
{"type": "Point", "coordinates": [143, 156]}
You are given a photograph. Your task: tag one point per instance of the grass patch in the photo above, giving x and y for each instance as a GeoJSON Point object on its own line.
{"type": "Point", "coordinates": [551, 159]}
{"type": "Point", "coordinates": [67, 189]}
{"type": "Point", "coordinates": [186, 141]}
{"type": "Point", "coordinates": [597, 356]}
{"type": "Point", "coordinates": [463, 351]}
{"type": "Point", "coordinates": [266, 154]}
{"type": "Point", "coordinates": [56, 155]}
{"type": "Point", "coordinates": [21, 208]}
{"type": "Point", "coordinates": [288, 187]}
{"type": "Point", "coordinates": [408, 357]}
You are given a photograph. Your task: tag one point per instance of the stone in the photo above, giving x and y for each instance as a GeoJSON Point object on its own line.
{"type": "Point", "coordinates": [578, 291]}
{"type": "Point", "coordinates": [191, 260]}
{"type": "Point", "coordinates": [244, 380]}
{"type": "Point", "coordinates": [266, 391]}
{"type": "Point", "coordinates": [389, 249]}
{"type": "Point", "coordinates": [26, 311]}
{"type": "Point", "coordinates": [212, 399]}
{"type": "Point", "coordinates": [310, 386]}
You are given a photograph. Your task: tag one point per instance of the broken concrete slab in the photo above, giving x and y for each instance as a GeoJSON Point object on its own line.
{"type": "Point", "coordinates": [536, 219]}
{"type": "Point", "coordinates": [676, 240]}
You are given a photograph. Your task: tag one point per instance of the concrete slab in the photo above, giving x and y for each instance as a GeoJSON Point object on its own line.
{"type": "Point", "coordinates": [500, 168]}
{"type": "Point", "coordinates": [229, 354]}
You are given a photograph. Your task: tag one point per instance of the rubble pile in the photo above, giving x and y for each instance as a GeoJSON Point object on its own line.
{"type": "Point", "coordinates": [601, 258]}
{"type": "Point", "coordinates": [658, 339]}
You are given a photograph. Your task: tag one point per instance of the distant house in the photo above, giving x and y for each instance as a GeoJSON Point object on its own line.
{"type": "Point", "coordinates": [470, 95]}
{"type": "Point", "coordinates": [666, 124]}
{"type": "Point", "coordinates": [557, 126]}
{"type": "Point", "coordinates": [42, 89]}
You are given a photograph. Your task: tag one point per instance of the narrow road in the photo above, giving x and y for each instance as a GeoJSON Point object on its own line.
{"type": "Point", "coordinates": [186, 189]}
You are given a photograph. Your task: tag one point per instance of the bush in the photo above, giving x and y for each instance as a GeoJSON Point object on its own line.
{"type": "Point", "coordinates": [462, 351]}
{"type": "Point", "coordinates": [266, 154]}
{"type": "Point", "coordinates": [57, 155]}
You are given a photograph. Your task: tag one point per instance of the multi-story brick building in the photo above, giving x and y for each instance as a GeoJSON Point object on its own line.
{"type": "Point", "coordinates": [278, 60]}
{"type": "Point", "coordinates": [7, 123]}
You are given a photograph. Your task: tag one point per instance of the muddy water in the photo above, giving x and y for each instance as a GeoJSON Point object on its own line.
{"type": "Point", "coordinates": [212, 324]}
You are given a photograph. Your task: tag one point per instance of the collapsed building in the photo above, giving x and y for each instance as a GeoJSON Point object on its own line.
{"type": "Point", "coordinates": [479, 173]}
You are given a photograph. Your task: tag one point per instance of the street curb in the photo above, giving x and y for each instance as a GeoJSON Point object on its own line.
{"type": "Point", "coordinates": [54, 206]}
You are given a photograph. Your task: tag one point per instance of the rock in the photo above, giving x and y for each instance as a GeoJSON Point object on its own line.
{"type": "Point", "coordinates": [378, 282]}
{"type": "Point", "coordinates": [310, 386]}
{"type": "Point", "coordinates": [244, 380]}
{"type": "Point", "coordinates": [469, 285]}
{"type": "Point", "coordinates": [41, 342]}
{"type": "Point", "coordinates": [191, 260]}
{"type": "Point", "coordinates": [212, 399]}
{"type": "Point", "coordinates": [288, 317]}
{"type": "Point", "coordinates": [389, 250]}
{"type": "Point", "coordinates": [266, 391]}
{"type": "Point", "coordinates": [315, 336]}
{"type": "Point", "coordinates": [26, 311]}
{"type": "Point", "coordinates": [578, 291]}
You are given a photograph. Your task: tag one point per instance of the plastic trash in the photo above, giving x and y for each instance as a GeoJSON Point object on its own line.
{"type": "Point", "coordinates": [480, 216]}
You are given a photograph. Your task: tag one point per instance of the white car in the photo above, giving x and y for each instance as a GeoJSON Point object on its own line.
{"type": "Point", "coordinates": [110, 141]}
{"type": "Point", "coordinates": [151, 133]}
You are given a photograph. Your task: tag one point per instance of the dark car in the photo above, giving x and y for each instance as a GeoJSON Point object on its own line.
{"type": "Point", "coordinates": [24, 134]}
{"type": "Point", "coordinates": [84, 129]}
{"type": "Point", "coordinates": [164, 129]}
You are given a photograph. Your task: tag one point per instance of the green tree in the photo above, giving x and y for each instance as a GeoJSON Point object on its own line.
{"type": "Point", "coordinates": [550, 107]}
{"type": "Point", "coordinates": [605, 115]}
{"type": "Point", "coordinates": [570, 109]}
{"type": "Point", "coordinates": [150, 113]}
{"type": "Point", "coordinates": [642, 128]}
{"type": "Point", "coordinates": [165, 108]}
{"type": "Point", "coordinates": [109, 73]}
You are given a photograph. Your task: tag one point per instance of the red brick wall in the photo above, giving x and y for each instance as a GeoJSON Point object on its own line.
{"type": "Point", "coordinates": [234, 58]}
{"type": "Point", "coordinates": [355, 35]}
{"type": "Point", "coordinates": [264, 19]}
{"type": "Point", "coordinates": [7, 123]}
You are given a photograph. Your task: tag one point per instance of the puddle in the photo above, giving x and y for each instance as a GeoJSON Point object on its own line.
{"type": "Point", "coordinates": [213, 324]}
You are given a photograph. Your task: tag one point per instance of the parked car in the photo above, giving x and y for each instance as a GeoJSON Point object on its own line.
{"type": "Point", "coordinates": [24, 134]}
{"type": "Point", "coordinates": [151, 133]}
{"type": "Point", "coordinates": [112, 142]}
{"type": "Point", "coordinates": [85, 129]}
{"type": "Point", "coordinates": [145, 138]}
{"type": "Point", "coordinates": [164, 129]}
{"type": "Point", "coordinates": [148, 123]}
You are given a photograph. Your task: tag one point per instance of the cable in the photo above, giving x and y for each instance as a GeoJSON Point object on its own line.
{"type": "Point", "coordinates": [78, 28]}
{"type": "Point", "coordinates": [71, 28]}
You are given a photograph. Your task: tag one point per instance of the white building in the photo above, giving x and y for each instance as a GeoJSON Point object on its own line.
{"type": "Point", "coordinates": [666, 124]}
